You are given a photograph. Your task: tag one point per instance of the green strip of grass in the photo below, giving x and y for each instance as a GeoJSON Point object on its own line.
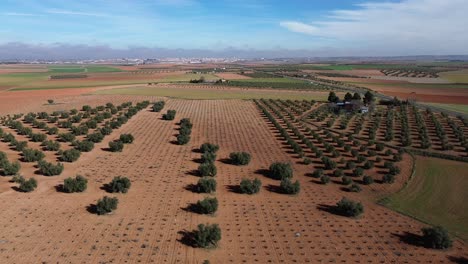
{"type": "Point", "coordinates": [210, 94]}
{"type": "Point", "coordinates": [463, 109]}
{"type": "Point", "coordinates": [436, 195]}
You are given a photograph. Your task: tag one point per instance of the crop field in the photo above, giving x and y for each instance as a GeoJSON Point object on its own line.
{"type": "Point", "coordinates": [403, 126]}
{"type": "Point", "coordinates": [461, 108]}
{"type": "Point", "coordinates": [460, 76]}
{"type": "Point", "coordinates": [203, 92]}
{"type": "Point", "coordinates": [268, 187]}
{"type": "Point", "coordinates": [153, 219]}
{"type": "Point", "coordinates": [436, 194]}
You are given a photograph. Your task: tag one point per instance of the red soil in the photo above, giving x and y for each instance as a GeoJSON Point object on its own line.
{"type": "Point", "coordinates": [50, 226]}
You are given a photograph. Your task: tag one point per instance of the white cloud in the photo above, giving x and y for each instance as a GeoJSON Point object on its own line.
{"type": "Point", "coordinates": [19, 14]}
{"type": "Point", "coordinates": [300, 27]}
{"type": "Point", "coordinates": [405, 27]}
{"type": "Point", "coordinates": [75, 13]}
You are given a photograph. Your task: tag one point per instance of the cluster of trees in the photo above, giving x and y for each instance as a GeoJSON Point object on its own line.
{"type": "Point", "coordinates": [208, 168]}
{"type": "Point", "coordinates": [185, 131]}
{"type": "Point", "coordinates": [170, 115]}
{"type": "Point", "coordinates": [50, 169]}
{"type": "Point", "coordinates": [158, 106]}
{"type": "Point", "coordinates": [440, 132]}
{"type": "Point", "coordinates": [405, 130]}
{"type": "Point", "coordinates": [200, 80]}
{"type": "Point", "coordinates": [250, 186]}
{"type": "Point", "coordinates": [284, 172]}
{"type": "Point", "coordinates": [8, 168]}
{"type": "Point", "coordinates": [368, 97]}
{"type": "Point", "coordinates": [422, 129]}
{"type": "Point", "coordinates": [118, 145]}
{"type": "Point", "coordinates": [25, 185]}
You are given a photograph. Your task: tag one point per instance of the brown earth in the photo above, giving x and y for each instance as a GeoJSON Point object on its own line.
{"type": "Point", "coordinates": [49, 226]}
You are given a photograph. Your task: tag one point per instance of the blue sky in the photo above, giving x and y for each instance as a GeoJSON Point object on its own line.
{"type": "Point", "coordinates": [367, 27]}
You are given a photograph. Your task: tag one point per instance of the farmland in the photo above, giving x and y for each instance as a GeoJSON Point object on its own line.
{"type": "Point", "coordinates": [431, 195]}
{"type": "Point", "coordinates": [280, 160]}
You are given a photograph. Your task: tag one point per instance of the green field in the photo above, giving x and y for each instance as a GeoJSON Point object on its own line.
{"type": "Point", "coordinates": [437, 194]}
{"type": "Point", "coordinates": [455, 76]}
{"type": "Point", "coordinates": [453, 107]}
{"type": "Point", "coordinates": [187, 77]}
{"type": "Point", "coordinates": [206, 94]}
{"type": "Point", "coordinates": [82, 69]}
{"type": "Point", "coordinates": [66, 69]}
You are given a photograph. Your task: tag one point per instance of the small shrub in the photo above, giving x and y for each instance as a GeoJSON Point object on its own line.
{"type": "Point", "coordinates": [325, 179]}
{"type": "Point", "coordinates": [355, 188]}
{"type": "Point", "coordinates": [51, 145]}
{"type": "Point", "coordinates": [206, 185]}
{"type": "Point", "coordinates": [95, 137]}
{"type": "Point", "coordinates": [49, 169]}
{"type": "Point", "coordinates": [20, 145]}
{"type": "Point", "coordinates": [388, 178]}
{"type": "Point", "coordinates": [28, 185]}
{"type": "Point", "coordinates": [349, 208]}
{"type": "Point", "coordinates": [77, 184]}
{"type": "Point", "coordinates": [67, 137]}
{"type": "Point", "coordinates": [170, 115]}
{"type": "Point", "coordinates": [207, 205]}
{"type": "Point", "coordinates": [116, 146]}
{"type": "Point", "coordinates": [32, 155]}
{"type": "Point", "coordinates": [183, 139]}
{"type": "Point", "coordinates": [207, 169]}
{"type": "Point", "coordinates": [250, 186]}
{"type": "Point", "coordinates": [50, 101]}
{"type": "Point", "coordinates": [106, 130]}
{"type": "Point", "coordinates": [436, 237]}
{"type": "Point", "coordinates": [288, 187]}
{"type": "Point", "coordinates": [70, 155]}
{"type": "Point", "coordinates": [39, 137]}
{"type": "Point", "coordinates": [307, 161]}
{"type": "Point", "coordinates": [346, 180]}
{"type": "Point", "coordinates": [317, 173]}
{"type": "Point", "coordinates": [357, 172]}
{"type": "Point", "coordinates": [158, 106]}
{"type": "Point", "coordinates": [367, 180]}
{"type": "Point", "coordinates": [10, 168]}
{"type": "Point", "coordinates": [52, 130]}
{"type": "Point", "coordinates": [208, 147]}
{"type": "Point", "coordinates": [119, 185]}
{"type": "Point", "coordinates": [84, 146]}
{"type": "Point", "coordinates": [208, 157]}
{"type": "Point", "coordinates": [207, 236]}
{"type": "Point", "coordinates": [127, 138]}
{"type": "Point", "coordinates": [280, 171]}
{"type": "Point", "coordinates": [338, 173]}
{"type": "Point", "coordinates": [240, 158]}
{"type": "Point", "coordinates": [106, 205]}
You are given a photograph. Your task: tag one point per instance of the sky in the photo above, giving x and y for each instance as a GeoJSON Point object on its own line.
{"type": "Point", "coordinates": [271, 28]}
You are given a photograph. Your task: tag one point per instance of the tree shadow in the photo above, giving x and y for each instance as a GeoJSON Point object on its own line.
{"type": "Point", "coordinates": [59, 188]}
{"type": "Point", "coordinates": [460, 260]}
{"type": "Point", "coordinates": [234, 189]}
{"type": "Point", "coordinates": [192, 188]}
{"type": "Point", "coordinates": [263, 172]}
{"type": "Point", "coordinates": [226, 161]}
{"type": "Point", "coordinates": [106, 187]}
{"type": "Point", "coordinates": [174, 142]}
{"type": "Point", "coordinates": [16, 188]}
{"type": "Point", "coordinates": [410, 238]}
{"type": "Point", "coordinates": [273, 188]}
{"type": "Point", "coordinates": [197, 150]}
{"type": "Point", "coordinates": [332, 209]}
{"type": "Point", "coordinates": [197, 160]}
{"type": "Point", "coordinates": [193, 173]}
{"type": "Point", "coordinates": [192, 208]}
{"type": "Point", "coordinates": [187, 238]}
{"type": "Point", "coordinates": [91, 208]}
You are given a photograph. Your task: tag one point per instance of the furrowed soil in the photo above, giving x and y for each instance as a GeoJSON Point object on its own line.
{"type": "Point", "coordinates": [148, 226]}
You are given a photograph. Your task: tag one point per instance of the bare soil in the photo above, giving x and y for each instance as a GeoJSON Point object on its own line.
{"type": "Point", "coordinates": [149, 224]}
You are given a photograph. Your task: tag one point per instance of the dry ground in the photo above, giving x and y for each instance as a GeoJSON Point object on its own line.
{"type": "Point", "coordinates": [49, 226]}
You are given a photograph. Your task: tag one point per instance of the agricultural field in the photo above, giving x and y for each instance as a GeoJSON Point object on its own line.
{"type": "Point", "coordinates": [128, 164]}
{"type": "Point", "coordinates": [436, 194]}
